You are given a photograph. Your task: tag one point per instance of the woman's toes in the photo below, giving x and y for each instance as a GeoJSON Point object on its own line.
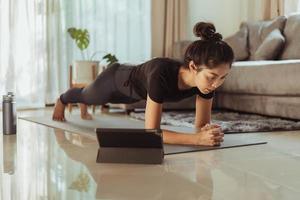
{"type": "Point", "coordinates": [86, 116]}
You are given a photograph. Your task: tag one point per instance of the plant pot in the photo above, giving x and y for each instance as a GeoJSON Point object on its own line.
{"type": "Point", "coordinates": [84, 71]}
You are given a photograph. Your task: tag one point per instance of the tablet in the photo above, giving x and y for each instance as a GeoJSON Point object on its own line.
{"type": "Point", "coordinates": [118, 145]}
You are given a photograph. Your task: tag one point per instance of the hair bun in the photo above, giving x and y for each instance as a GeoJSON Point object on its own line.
{"type": "Point", "coordinates": [206, 31]}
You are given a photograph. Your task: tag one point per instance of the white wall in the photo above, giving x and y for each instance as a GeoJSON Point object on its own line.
{"type": "Point", "coordinates": [225, 14]}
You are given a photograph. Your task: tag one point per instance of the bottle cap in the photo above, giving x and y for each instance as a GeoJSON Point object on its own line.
{"type": "Point", "coordinates": [7, 98]}
{"type": "Point", "coordinates": [10, 93]}
{"type": "Point", "coordinates": [12, 96]}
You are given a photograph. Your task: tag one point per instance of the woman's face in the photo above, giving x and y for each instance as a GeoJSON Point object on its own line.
{"type": "Point", "coordinates": [207, 80]}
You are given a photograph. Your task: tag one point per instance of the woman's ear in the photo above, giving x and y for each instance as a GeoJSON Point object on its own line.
{"type": "Point", "coordinates": [193, 68]}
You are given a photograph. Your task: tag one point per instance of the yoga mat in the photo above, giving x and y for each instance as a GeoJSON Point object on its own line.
{"type": "Point", "coordinates": [230, 141]}
{"type": "Point", "coordinates": [87, 128]}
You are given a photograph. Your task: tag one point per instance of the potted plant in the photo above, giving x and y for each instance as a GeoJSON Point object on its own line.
{"type": "Point", "coordinates": [82, 40]}
{"type": "Point", "coordinates": [84, 71]}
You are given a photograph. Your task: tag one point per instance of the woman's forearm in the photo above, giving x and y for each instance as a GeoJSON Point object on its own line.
{"type": "Point", "coordinates": [172, 137]}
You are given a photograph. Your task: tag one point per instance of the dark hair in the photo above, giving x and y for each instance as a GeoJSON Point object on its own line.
{"type": "Point", "coordinates": [210, 50]}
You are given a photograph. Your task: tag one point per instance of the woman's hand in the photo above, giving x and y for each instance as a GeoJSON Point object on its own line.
{"type": "Point", "coordinates": [209, 135]}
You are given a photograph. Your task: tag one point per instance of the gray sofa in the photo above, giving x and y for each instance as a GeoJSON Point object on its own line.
{"type": "Point", "coordinates": [265, 78]}
{"type": "Point", "coordinates": [263, 87]}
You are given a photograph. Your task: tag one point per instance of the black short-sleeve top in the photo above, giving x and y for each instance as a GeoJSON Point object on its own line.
{"type": "Point", "coordinates": [159, 79]}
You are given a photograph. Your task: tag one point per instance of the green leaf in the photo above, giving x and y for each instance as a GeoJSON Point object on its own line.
{"type": "Point", "coordinates": [81, 37]}
{"type": "Point", "coordinates": [110, 59]}
{"type": "Point", "coordinates": [72, 32]}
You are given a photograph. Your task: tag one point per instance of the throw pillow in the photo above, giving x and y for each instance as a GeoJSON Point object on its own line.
{"type": "Point", "coordinates": [238, 43]}
{"type": "Point", "coordinates": [179, 49]}
{"type": "Point", "coordinates": [291, 31]}
{"type": "Point", "coordinates": [270, 47]}
{"type": "Point", "coordinates": [258, 31]}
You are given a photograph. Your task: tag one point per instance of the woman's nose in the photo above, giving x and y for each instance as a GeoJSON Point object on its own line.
{"type": "Point", "coordinates": [214, 86]}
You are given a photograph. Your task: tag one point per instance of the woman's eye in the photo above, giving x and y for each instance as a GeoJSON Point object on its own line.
{"type": "Point", "coordinates": [224, 77]}
{"type": "Point", "coordinates": [211, 77]}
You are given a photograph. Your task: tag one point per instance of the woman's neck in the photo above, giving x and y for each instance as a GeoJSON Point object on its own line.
{"type": "Point", "coordinates": [185, 79]}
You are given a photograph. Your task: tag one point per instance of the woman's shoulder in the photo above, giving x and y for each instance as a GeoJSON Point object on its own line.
{"type": "Point", "coordinates": [161, 64]}
{"type": "Point", "coordinates": [164, 60]}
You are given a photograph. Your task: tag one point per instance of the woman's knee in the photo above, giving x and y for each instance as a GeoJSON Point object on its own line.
{"type": "Point", "coordinates": [95, 98]}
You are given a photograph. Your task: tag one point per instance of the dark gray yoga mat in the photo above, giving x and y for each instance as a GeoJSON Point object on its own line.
{"type": "Point", "coordinates": [87, 128]}
{"type": "Point", "coordinates": [230, 141]}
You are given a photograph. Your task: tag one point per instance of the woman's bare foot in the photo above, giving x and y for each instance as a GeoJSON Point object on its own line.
{"type": "Point", "coordinates": [86, 116]}
{"type": "Point", "coordinates": [59, 111]}
{"type": "Point", "coordinates": [84, 112]}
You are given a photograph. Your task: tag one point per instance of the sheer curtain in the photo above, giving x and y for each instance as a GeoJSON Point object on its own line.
{"type": "Point", "coordinates": [22, 51]}
{"type": "Point", "coordinates": [35, 50]}
{"type": "Point", "coordinates": [121, 27]}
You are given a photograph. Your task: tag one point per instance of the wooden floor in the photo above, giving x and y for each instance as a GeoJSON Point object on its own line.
{"type": "Point", "coordinates": [45, 163]}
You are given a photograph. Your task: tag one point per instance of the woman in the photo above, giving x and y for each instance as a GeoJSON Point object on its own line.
{"type": "Point", "coordinates": [206, 64]}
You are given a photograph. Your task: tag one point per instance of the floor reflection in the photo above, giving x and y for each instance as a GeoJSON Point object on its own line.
{"type": "Point", "coordinates": [8, 166]}
{"type": "Point", "coordinates": [46, 163]}
{"type": "Point", "coordinates": [9, 153]}
{"type": "Point", "coordinates": [129, 181]}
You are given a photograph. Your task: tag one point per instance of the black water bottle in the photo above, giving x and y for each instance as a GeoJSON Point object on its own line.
{"type": "Point", "coordinates": [9, 114]}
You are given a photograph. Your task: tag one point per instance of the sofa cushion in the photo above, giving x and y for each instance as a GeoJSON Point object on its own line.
{"type": "Point", "coordinates": [179, 49]}
{"type": "Point", "coordinates": [291, 31]}
{"type": "Point", "coordinates": [279, 77]}
{"type": "Point", "coordinates": [258, 31]}
{"type": "Point", "coordinates": [270, 47]}
{"type": "Point", "coordinates": [238, 43]}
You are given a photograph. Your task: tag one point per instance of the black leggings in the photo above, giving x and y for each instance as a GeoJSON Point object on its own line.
{"type": "Point", "coordinates": [103, 90]}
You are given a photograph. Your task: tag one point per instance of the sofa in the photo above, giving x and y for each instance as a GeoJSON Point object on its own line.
{"type": "Point", "coordinates": [265, 77]}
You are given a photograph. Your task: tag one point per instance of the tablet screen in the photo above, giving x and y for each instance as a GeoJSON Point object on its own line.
{"type": "Point", "coordinates": [131, 138]}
